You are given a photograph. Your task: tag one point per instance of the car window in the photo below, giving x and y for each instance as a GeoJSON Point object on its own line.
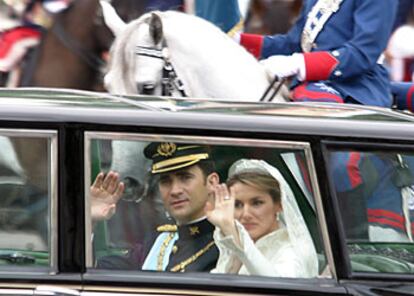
{"type": "Point", "coordinates": [158, 223]}
{"type": "Point", "coordinates": [375, 194]}
{"type": "Point", "coordinates": [27, 190]}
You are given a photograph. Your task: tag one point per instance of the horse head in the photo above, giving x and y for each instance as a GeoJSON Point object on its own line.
{"type": "Point", "coordinates": [137, 55]}
{"type": "Point", "coordinates": [161, 53]}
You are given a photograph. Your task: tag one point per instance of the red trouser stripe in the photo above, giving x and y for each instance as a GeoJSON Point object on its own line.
{"type": "Point", "coordinates": [300, 93]}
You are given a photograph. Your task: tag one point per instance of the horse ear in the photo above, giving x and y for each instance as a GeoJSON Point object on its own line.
{"type": "Point", "coordinates": [111, 18]}
{"type": "Point", "coordinates": [156, 28]}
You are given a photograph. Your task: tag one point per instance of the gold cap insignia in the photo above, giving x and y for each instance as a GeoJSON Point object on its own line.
{"type": "Point", "coordinates": [166, 149]}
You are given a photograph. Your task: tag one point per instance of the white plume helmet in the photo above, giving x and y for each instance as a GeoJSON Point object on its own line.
{"type": "Point", "coordinates": [111, 18]}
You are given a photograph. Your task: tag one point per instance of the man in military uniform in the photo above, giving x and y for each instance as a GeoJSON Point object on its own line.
{"type": "Point", "coordinates": [187, 179]}
{"type": "Point", "coordinates": [334, 51]}
{"type": "Point", "coordinates": [376, 195]}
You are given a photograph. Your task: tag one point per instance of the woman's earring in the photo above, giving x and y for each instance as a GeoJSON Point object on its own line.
{"type": "Point", "coordinates": [278, 216]}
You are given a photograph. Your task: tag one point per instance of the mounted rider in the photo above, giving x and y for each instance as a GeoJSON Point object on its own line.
{"type": "Point", "coordinates": [21, 26]}
{"type": "Point", "coordinates": [334, 50]}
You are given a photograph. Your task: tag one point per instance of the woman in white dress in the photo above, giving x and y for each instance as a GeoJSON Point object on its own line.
{"type": "Point", "coordinates": [259, 228]}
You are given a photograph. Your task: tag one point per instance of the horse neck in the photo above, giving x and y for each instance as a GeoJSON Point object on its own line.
{"type": "Point", "coordinates": [209, 63]}
{"type": "Point", "coordinates": [54, 55]}
{"type": "Point", "coordinates": [78, 20]}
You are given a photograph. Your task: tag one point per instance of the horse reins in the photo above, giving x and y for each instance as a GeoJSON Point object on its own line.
{"type": "Point", "coordinates": [169, 80]}
{"type": "Point", "coordinates": [272, 88]}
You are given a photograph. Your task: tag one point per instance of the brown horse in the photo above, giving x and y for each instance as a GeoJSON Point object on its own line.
{"type": "Point", "coordinates": [271, 17]}
{"type": "Point", "coordinates": [71, 52]}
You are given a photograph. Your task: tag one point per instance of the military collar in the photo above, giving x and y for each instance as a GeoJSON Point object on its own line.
{"type": "Point", "coordinates": [195, 229]}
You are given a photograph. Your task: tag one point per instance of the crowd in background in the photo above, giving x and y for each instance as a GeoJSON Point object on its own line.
{"type": "Point", "coordinates": [400, 52]}
{"type": "Point", "coordinates": [25, 19]}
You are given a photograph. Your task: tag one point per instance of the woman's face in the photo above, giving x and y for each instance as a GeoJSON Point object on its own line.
{"type": "Point", "coordinates": [255, 210]}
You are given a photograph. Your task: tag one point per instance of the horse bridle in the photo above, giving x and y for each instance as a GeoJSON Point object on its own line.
{"type": "Point", "coordinates": [169, 80]}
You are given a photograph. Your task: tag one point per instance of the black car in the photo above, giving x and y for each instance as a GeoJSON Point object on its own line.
{"type": "Point", "coordinates": [53, 143]}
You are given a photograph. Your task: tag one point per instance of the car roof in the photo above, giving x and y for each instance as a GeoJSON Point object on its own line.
{"type": "Point", "coordinates": [65, 105]}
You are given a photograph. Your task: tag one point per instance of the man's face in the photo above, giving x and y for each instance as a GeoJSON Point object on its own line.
{"type": "Point", "coordinates": [184, 193]}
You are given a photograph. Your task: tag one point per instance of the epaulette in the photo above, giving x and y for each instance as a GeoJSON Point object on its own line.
{"type": "Point", "coordinates": [167, 228]}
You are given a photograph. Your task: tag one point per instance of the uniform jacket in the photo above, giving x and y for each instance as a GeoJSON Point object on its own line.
{"type": "Point", "coordinates": [346, 51]}
{"type": "Point", "coordinates": [385, 203]}
{"type": "Point", "coordinates": [184, 248]}
{"type": "Point", "coordinates": [381, 178]}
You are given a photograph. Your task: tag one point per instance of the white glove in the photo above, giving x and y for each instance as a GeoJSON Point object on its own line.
{"type": "Point", "coordinates": [285, 66]}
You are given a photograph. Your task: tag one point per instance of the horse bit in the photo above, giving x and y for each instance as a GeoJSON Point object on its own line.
{"type": "Point", "coordinates": [170, 80]}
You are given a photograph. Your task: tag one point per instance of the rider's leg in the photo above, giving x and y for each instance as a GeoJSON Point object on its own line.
{"type": "Point", "coordinates": [317, 92]}
{"type": "Point", "coordinates": [403, 93]}
{"type": "Point", "coordinates": [343, 166]}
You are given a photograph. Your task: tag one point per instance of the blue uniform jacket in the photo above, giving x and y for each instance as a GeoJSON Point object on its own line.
{"type": "Point", "coordinates": [383, 200]}
{"type": "Point", "coordinates": [349, 46]}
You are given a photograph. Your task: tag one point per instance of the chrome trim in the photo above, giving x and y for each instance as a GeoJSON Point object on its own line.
{"type": "Point", "coordinates": [200, 139]}
{"type": "Point", "coordinates": [89, 135]}
{"type": "Point", "coordinates": [44, 290]}
{"type": "Point", "coordinates": [35, 133]}
{"type": "Point", "coordinates": [33, 285]}
{"type": "Point", "coordinates": [126, 291]}
{"type": "Point", "coordinates": [112, 97]}
{"type": "Point", "coordinates": [18, 292]}
{"type": "Point", "coordinates": [53, 256]}
{"type": "Point", "coordinates": [52, 136]}
{"type": "Point", "coordinates": [88, 219]}
{"type": "Point", "coordinates": [320, 213]}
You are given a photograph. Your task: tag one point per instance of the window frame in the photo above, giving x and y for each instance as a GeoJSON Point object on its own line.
{"type": "Point", "coordinates": [207, 140]}
{"type": "Point", "coordinates": [52, 136]}
{"type": "Point", "coordinates": [328, 146]}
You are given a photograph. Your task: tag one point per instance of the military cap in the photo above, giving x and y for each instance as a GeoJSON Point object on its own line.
{"type": "Point", "coordinates": [169, 156]}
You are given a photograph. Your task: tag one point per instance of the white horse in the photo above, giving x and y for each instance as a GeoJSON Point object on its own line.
{"type": "Point", "coordinates": [207, 61]}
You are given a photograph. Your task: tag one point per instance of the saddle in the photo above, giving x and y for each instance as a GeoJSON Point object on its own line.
{"type": "Point", "coordinates": [22, 31]}
{"type": "Point", "coordinates": [14, 45]}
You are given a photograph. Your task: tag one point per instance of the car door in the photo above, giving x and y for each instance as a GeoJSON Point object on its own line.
{"type": "Point", "coordinates": [112, 242]}
{"type": "Point", "coordinates": [372, 184]}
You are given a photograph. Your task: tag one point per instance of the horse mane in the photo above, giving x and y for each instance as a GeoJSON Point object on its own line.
{"type": "Point", "coordinates": [122, 53]}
